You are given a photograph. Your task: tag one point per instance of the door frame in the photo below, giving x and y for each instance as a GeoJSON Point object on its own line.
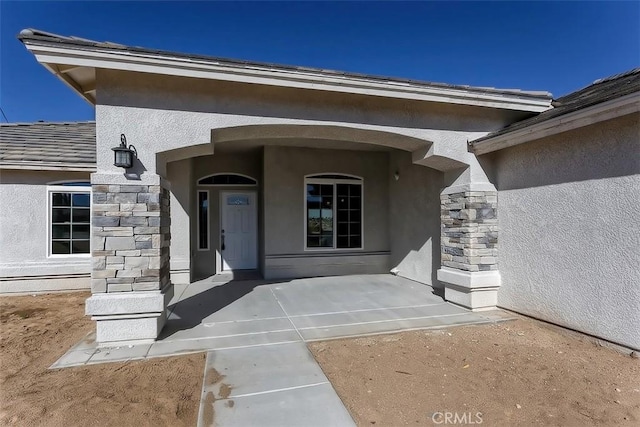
{"type": "Point", "coordinates": [254, 196]}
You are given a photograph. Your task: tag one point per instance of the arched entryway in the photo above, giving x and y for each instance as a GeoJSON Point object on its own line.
{"type": "Point", "coordinates": [380, 212]}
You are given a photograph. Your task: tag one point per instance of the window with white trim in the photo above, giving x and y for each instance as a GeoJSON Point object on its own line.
{"type": "Point", "coordinates": [333, 212]}
{"type": "Point", "coordinates": [69, 218]}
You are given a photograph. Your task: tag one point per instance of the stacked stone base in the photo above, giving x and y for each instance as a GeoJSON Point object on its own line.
{"type": "Point", "coordinates": [469, 248]}
{"type": "Point", "coordinates": [130, 254]}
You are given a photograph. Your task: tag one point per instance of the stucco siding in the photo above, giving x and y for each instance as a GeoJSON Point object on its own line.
{"type": "Point", "coordinates": [414, 219]}
{"type": "Point", "coordinates": [285, 169]}
{"type": "Point", "coordinates": [180, 176]}
{"type": "Point", "coordinates": [24, 260]}
{"type": "Point", "coordinates": [569, 242]}
{"type": "Point", "coordinates": [401, 217]}
{"type": "Point", "coordinates": [162, 113]}
{"type": "Point", "coordinates": [172, 118]}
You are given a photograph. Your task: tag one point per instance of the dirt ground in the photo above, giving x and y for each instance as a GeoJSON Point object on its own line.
{"type": "Point", "coordinates": [36, 330]}
{"type": "Point", "coordinates": [520, 372]}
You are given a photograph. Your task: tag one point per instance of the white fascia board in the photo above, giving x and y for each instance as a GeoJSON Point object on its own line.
{"type": "Point", "coordinates": [196, 68]}
{"type": "Point", "coordinates": [619, 107]}
{"type": "Point", "coordinates": [43, 166]}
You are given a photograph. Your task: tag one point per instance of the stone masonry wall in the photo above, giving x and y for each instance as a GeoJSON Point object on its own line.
{"type": "Point", "coordinates": [469, 236]}
{"type": "Point", "coordinates": [130, 238]}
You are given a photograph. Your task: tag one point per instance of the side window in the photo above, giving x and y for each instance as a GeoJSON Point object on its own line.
{"type": "Point", "coordinates": [70, 218]}
{"type": "Point", "coordinates": [203, 220]}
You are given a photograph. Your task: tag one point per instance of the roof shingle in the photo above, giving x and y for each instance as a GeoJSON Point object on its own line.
{"type": "Point", "coordinates": [48, 145]}
{"type": "Point", "coordinates": [599, 91]}
{"type": "Point", "coordinates": [35, 34]}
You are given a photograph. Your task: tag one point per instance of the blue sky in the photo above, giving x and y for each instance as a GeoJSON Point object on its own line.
{"type": "Point", "coordinates": [554, 46]}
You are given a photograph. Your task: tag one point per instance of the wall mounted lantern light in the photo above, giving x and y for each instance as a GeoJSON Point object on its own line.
{"type": "Point", "coordinates": [123, 155]}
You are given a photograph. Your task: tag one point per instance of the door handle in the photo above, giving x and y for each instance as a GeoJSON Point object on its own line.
{"type": "Point", "coordinates": [222, 243]}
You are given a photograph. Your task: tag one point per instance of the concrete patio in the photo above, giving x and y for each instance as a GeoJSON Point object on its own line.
{"type": "Point", "coordinates": [224, 313]}
{"type": "Point", "coordinates": [255, 333]}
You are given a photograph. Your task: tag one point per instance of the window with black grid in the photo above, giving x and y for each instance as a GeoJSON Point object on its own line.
{"type": "Point", "coordinates": [319, 215]}
{"type": "Point", "coordinates": [333, 212]}
{"type": "Point", "coordinates": [349, 215]}
{"type": "Point", "coordinates": [70, 222]}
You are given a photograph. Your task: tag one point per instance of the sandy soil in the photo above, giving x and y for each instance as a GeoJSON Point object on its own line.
{"type": "Point", "coordinates": [36, 330]}
{"type": "Point", "coordinates": [520, 372]}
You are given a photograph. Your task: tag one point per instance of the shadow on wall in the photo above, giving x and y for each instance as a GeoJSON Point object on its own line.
{"type": "Point", "coordinates": [118, 88]}
{"type": "Point", "coordinates": [603, 150]}
{"type": "Point", "coordinates": [135, 171]}
{"type": "Point", "coordinates": [412, 217]}
{"type": "Point", "coordinates": [414, 212]}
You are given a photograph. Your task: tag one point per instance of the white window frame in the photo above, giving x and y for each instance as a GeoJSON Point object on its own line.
{"type": "Point", "coordinates": [57, 187]}
{"type": "Point", "coordinates": [208, 248]}
{"type": "Point", "coordinates": [333, 181]}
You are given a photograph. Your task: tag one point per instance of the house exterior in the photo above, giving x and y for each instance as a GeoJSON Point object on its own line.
{"type": "Point", "coordinates": [498, 197]}
{"type": "Point", "coordinates": [568, 189]}
{"type": "Point", "coordinates": [43, 166]}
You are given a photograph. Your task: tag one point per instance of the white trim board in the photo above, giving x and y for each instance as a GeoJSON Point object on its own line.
{"type": "Point", "coordinates": [627, 104]}
{"type": "Point", "coordinates": [52, 56]}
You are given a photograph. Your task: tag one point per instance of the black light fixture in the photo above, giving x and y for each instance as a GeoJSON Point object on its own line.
{"type": "Point", "coordinates": [123, 155]}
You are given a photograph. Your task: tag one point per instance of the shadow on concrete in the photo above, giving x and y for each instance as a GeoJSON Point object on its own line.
{"type": "Point", "coordinates": [439, 292]}
{"type": "Point", "coordinates": [191, 311]}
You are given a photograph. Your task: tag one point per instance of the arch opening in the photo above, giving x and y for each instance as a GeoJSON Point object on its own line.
{"type": "Point", "coordinates": [228, 179]}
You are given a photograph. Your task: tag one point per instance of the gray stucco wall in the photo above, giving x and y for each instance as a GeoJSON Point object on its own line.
{"type": "Point", "coordinates": [180, 175]}
{"type": "Point", "coordinates": [170, 118]}
{"type": "Point", "coordinates": [414, 219]}
{"type": "Point", "coordinates": [569, 230]}
{"type": "Point", "coordinates": [284, 171]}
{"type": "Point", "coordinates": [163, 113]}
{"type": "Point", "coordinates": [24, 257]}
{"type": "Point", "coordinates": [401, 217]}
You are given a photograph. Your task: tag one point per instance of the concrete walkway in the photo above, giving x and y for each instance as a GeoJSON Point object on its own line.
{"type": "Point", "coordinates": [255, 332]}
{"type": "Point", "coordinates": [275, 385]}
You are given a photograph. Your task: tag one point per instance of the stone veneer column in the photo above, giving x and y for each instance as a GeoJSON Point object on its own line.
{"type": "Point", "coordinates": [469, 248]}
{"type": "Point", "coordinates": [130, 253]}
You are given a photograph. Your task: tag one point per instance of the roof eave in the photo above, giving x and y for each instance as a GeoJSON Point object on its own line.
{"type": "Point", "coordinates": [608, 110]}
{"type": "Point", "coordinates": [57, 55]}
{"type": "Point", "coordinates": [67, 79]}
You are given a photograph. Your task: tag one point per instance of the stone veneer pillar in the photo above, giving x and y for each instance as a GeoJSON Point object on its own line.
{"type": "Point", "coordinates": [130, 253]}
{"type": "Point", "coordinates": [469, 241]}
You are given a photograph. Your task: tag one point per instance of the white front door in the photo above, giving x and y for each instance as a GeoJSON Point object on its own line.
{"type": "Point", "coordinates": [239, 230]}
